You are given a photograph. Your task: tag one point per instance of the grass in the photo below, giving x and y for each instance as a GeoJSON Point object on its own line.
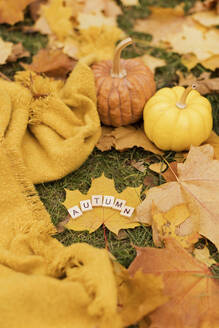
{"type": "Point", "coordinates": [114, 164]}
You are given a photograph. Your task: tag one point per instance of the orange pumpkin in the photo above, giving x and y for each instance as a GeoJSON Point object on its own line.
{"type": "Point", "coordinates": [123, 88]}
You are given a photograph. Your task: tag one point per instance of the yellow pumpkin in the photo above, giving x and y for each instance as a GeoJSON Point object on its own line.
{"type": "Point", "coordinates": [176, 118]}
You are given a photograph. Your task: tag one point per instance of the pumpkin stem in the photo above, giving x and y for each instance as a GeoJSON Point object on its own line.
{"type": "Point", "coordinates": [116, 70]}
{"type": "Point", "coordinates": [182, 102]}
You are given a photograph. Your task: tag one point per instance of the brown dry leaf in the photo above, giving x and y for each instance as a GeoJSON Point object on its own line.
{"type": "Point", "coordinates": [51, 62]}
{"type": "Point", "coordinates": [5, 51]}
{"type": "Point", "coordinates": [149, 181]}
{"type": "Point", "coordinates": [125, 137]}
{"type": "Point", "coordinates": [205, 84]}
{"type": "Point", "coordinates": [171, 173]}
{"type": "Point", "coordinates": [153, 62]}
{"type": "Point", "coordinates": [138, 295]}
{"type": "Point", "coordinates": [174, 223]}
{"type": "Point", "coordinates": [111, 218]}
{"type": "Point", "coordinates": [158, 167]}
{"type": "Point", "coordinates": [12, 11]}
{"type": "Point", "coordinates": [18, 51]}
{"type": "Point", "coordinates": [197, 185]}
{"type": "Point", "coordinates": [34, 8]}
{"type": "Point", "coordinates": [189, 284]}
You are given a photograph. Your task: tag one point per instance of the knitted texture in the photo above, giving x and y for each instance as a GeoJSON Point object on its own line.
{"type": "Point", "coordinates": [48, 129]}
{"type": "Point", "coordinates": [60, 126]}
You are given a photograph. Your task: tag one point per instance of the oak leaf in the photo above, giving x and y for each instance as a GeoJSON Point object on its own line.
{"type": "Point", "coordinates": [111, 218]}
{"type": "Point", "coordinates": [53, 63]}
{"type": "Point", "coordinates": [125, 137]}
{"type": "Point", "coordinates": [12, 11]}
{"type": "Point", "coordinates": [190, 285]}
{"type": "Point", "coordinates": [197, 185]}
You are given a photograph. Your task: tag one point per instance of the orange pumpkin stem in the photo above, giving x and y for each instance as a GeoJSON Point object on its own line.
{"type": "Point", "coordinates": [182, 102]}
{"type": "Point", "coordinates": [116, 69]}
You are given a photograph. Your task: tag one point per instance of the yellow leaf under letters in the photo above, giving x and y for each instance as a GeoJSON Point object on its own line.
{"type": "Point", "coordinates": [111, 218]}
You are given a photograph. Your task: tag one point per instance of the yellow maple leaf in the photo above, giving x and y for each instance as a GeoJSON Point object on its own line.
{"type": "Point", "coordinates": [174, 223]}
{"type": "Point", "coordinates": [58, 18]}
{"type": "Point", "coordinates": [95, 19]}
{"type": "Point", "coordinates": [111, 218]}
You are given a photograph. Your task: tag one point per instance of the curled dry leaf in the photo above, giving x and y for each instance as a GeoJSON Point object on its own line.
{"type": "Point", "coordinates": [192, 290]}
{"type": "Point", "coordinates": [126, 137]}
{"type": "Point", "coordinates": [139, 166]}
{"type": "Point", "coordinates": [205, 84]}
{"type": "Point", "coordinates": [197, 185]}
{"type": "Point", "coordinates": [51, 62]}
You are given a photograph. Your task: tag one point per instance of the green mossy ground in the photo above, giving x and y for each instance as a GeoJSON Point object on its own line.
{"type": "Point", "coordinates": [113, 164]}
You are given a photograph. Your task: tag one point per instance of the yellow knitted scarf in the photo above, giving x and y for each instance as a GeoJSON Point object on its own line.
{"type": "Point", "coordinates": [47, 129]}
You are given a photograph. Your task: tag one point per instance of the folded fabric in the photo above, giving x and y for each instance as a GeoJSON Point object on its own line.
{"type": "Point", "coordinates": [53, 125]}
{"type": "Point", "coordinates": [47, 129]}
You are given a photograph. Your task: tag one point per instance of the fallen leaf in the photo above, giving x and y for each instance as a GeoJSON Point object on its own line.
{"type": "Point", "coordinates": [111, 218]}
{"type": "Point", "coordinates": [96, 19]}
{"type": "Point", "coordinates": [41, 26]}
{"type": "Point", "coordinates": [139, 166]}
{"type": "Point", "coordinates": [149, 181]}
{"type": "Point", "coordinates": [12, 11]}
{"type": "Point", "coordinates": [130, 2]}
{"type": "Point", "coordinates": [197, 185]}
{"type": "Point", "coordinates": [171, 173]}
{"type": "Point", "coordinates": [169, 27]}
{"type": "Point", "coordinates": [153, 62]}
{"type": "Point", "coordinates": [125, 137]}
{"type": "Point", "coordinates": [203, 256]}
{"type": "Point", "coordinates": [213, 140]}
{"type": "Point", "coordinates": [174, 223]}
{"type": "Point", "coordinates": [189, 284]}
{"type": "Point", "coordinates": [34, 8]}
{"type": "Point", "coordinates": [194, 40]}
{"type": "Point", "coordinates": [58, 18]}
{"type": "Point", "coordinates": [5, 51]}
{"type": "Point", "coordinates": [207, 18]}
{"type": "Point", "coordinates": [204, 83]}
{"type": "Point", "coordinates": [138, 295]}
{"type": "Point", "coordinates": [161, 22]}
{"type": "Point", "coordinates": [18, 51]}
{"type": "Point", "coordinates": [158, 167]}
{"type": "Point", "coordinates": [52, 63]}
